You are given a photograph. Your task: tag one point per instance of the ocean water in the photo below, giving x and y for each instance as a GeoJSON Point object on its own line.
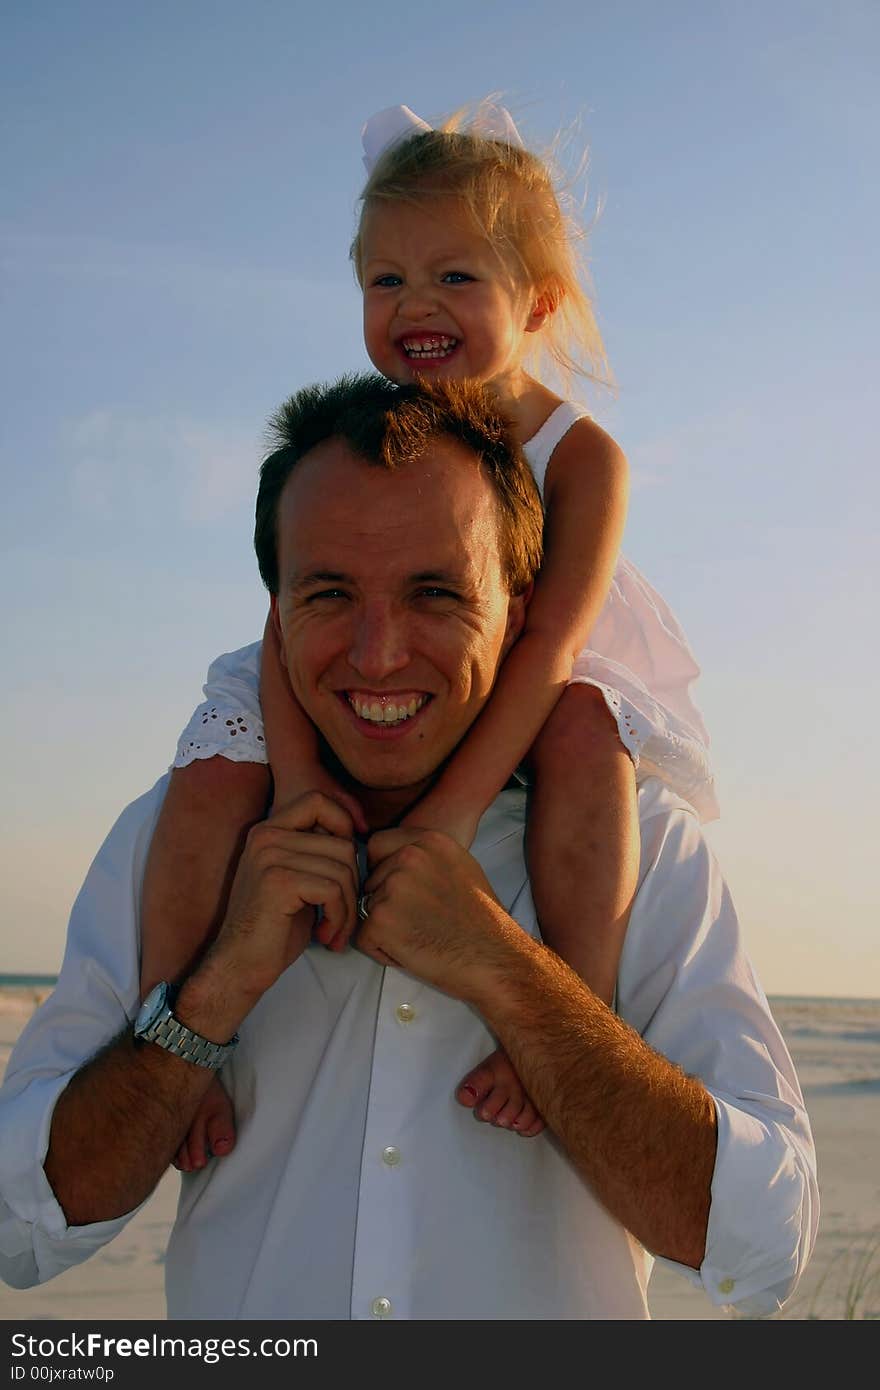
{"type": "Point", "coordinates": [835, 1043]}
{"type": "Point", "coordinates": [26, 981]}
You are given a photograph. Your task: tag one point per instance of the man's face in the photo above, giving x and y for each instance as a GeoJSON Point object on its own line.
{"type": "Point", "coordinates": [393, 610]}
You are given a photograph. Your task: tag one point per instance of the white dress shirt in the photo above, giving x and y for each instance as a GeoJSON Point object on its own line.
{"type": "Point", "coordinates": [358, 1187]}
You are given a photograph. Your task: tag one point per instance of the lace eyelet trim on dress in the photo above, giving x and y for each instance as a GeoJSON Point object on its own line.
{"type": "Point", "coordinates": [682, 763]}
{"type": "Point", "coordinates": [630, 735]}
{"type": "Point", "coordinates": [216, 730]}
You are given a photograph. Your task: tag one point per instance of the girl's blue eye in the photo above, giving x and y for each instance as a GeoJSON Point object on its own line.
{"type": "Point", "coordinates": [457, 277]}
{"type": "Point", "coordinates": [387, 282]}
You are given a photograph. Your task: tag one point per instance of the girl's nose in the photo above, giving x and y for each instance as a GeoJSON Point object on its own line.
{"type": "Point", "coordinates": [417, 304]}
{"type": "Point", "coordinates": [378, 645]}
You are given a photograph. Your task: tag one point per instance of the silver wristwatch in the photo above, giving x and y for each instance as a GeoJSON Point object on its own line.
{"type": "Point", "coordinates": [156, 1023]}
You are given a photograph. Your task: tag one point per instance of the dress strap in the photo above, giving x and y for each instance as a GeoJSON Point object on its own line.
{"type": "Point", "coordinates": [539, 449]}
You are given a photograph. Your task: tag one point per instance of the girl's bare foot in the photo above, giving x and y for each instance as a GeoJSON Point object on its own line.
{"type": "Point", "coordinates": [495, 1094]}
{"type": "Point", "coordinates": [212, 1132]}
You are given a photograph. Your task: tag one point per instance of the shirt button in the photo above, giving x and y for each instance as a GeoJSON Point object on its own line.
{"type": "Point", "coordinates": [727, 1286]}
{"type": "Point", "coordinates": [381, 1307]}
{"type": "Point", "coordinates": [405, 1013]}
{"type": "Point", "coordinates": [391, 1156]}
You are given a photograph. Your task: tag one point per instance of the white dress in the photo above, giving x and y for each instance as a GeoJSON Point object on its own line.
{"type": "Point", "coordinates": [638, 657]}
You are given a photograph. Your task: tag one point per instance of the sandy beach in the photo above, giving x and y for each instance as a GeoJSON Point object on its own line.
{"type": "Point", "coordinates": [836, 1046]}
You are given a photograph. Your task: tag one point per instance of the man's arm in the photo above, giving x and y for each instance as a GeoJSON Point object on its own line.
{"type": "Point", "coordinates": [121, 1118]}
{"type": "Point", "coordinates": [641, 1131]}
{"type": "Point", "coordinates": [116, 1127]}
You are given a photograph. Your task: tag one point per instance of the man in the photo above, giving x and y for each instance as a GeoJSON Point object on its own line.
{"type": "Point", "coordinates": [358, 1188]}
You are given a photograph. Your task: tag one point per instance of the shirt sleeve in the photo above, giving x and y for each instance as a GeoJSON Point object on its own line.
{"type": "Point", "coordinates": [229, 721]}
{"type": "Point", "coordinates": [687, 986]}
{"type": "Point", "coordinates": [96, 997]}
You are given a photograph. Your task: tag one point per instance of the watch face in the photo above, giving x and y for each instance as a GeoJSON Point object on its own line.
{"type": "Point", "coordinates": [152, 1005]}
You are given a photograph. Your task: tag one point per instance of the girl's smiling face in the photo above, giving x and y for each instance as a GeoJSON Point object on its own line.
{"type": "Point", "coordinates": [438, 301]}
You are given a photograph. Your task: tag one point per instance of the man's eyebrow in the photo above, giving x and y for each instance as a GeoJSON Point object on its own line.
{"type": "Point", "coordinates": [312, 577]}
{"type": "Point", "coordinates": [298, 583]}
{"type": "Point", "coordinates": [451, 577]}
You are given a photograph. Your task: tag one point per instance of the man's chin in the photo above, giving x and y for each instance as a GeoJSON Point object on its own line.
{"type": "Point", "coordinates": [370, 775]}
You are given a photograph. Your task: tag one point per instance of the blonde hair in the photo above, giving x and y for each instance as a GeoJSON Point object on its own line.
{"type": "Point", "coordinates": [510, 198]}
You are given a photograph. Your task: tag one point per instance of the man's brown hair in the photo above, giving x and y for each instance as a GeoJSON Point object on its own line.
{"type": "Point", "coordinates": [390, 426]}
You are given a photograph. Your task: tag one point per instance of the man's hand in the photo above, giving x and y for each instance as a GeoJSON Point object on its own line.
{"type": "Point", "coordinates": [432, 912]}
{"type": "Point", "coordinates": [120, 1120]}
{"type": "Point", "coordinates": [301, 859]}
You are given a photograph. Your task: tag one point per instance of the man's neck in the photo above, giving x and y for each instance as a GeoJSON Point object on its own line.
{"type": "Point", "coordinates": [382, 806]}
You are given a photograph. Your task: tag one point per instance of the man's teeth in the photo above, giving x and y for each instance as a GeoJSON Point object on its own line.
{"type": "Point", "coordinates": [430, 347]}
{"type": "Point", "coordinates": [386, 712]}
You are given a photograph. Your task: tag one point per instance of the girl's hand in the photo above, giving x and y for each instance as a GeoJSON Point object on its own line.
{"type": "Point", "coordinates": [316, 778]}
{"type": "Point", "coordinates": [433, 813]}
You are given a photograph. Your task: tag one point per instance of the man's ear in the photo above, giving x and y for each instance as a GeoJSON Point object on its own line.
{"type": "Point", "coordinates": [275, 620]}
{"type": "Point", "coordinates": [516, 618]}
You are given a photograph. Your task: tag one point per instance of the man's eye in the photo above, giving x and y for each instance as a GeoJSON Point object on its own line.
{"type": "Point", "coordinates": [435, 591]}
{"type": "Point", "coordinates": [324, 594]}
{"type": "Point", "coordinates": [457, 277]}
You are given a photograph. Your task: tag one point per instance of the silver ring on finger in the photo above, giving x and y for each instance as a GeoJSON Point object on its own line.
{"type": "Point", "coordinates": [363, 906]}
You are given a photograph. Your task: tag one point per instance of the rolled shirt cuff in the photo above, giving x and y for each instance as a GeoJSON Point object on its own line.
{"type": "Point", "coordinates": [764, 1212]}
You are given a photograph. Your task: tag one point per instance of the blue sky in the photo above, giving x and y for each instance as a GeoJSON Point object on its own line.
{"type": "Point", "coordinates": [179, 189]}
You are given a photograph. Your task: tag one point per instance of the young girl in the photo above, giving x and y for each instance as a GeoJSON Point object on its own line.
{"type": "Point", "coordinates": [469, 269]}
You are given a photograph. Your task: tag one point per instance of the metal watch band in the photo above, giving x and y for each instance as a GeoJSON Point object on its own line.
{"type": "Point", "coordinates": [183, 1042]}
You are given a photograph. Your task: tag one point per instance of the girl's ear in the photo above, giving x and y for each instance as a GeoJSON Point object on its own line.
{"type": "Point", "coordinates": [543, 306]}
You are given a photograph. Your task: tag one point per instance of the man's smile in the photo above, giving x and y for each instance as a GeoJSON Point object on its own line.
{"type": "Point", "coordinates": [387, 711]}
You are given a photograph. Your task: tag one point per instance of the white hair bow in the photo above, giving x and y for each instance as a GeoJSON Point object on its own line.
{"type": "Point", "coordinates": [397, 123]}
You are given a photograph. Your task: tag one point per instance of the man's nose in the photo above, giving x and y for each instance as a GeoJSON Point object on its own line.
{"type": "Point", "coordinates": [379, 644]}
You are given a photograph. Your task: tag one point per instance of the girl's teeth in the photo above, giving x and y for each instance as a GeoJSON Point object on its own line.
{"type": "Point", "coordinates": [431, 347]}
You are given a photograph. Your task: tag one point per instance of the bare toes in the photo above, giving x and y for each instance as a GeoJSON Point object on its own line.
{"type": "Point", "coordinates": [181, 1160]}
{"type": "Point", "coordinates": [510, 1111]}
{"type": "Point", "coordinates": [220, 1134]}
{"type": "Point", "coordinates": [490, 1108]}
{"type": "Point", "coordinates": [495, 1094]}
{"type": "Point", "coordinates": [197, 1144]}
{"type": "Point", "coordinates": [528, 1130]}
{"type": "Point", "coordinates": [475, 1086]}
